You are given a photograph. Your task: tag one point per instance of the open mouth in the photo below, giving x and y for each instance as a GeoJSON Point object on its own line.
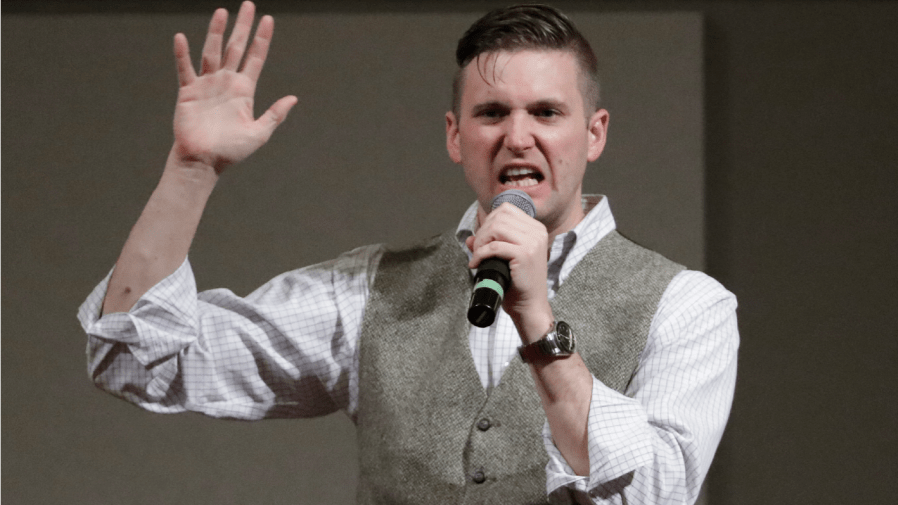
{"type": "Point", "coordinates": [520, 177]}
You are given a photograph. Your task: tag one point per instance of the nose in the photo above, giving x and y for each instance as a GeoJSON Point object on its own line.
{"type": "Point", "coordinates": [518, 134]}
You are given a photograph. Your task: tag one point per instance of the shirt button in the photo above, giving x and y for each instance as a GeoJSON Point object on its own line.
{"type": "Point", "coordinates": [483, 424]}
{"type": "Point", "coordinates": [478, 477]}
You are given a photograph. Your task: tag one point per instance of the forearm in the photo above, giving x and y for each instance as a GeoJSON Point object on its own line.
{"type": "Point", "coordinates": [565, 388]}
{"type": "Point", "coordinates": [659, 453]}
{"type": "Point", "coordinates": [629, 457]}
{"type": "Point", "coordinates": [160, 240]}
{"type": "Point", "coordinates": [658, 438]}
{"type": "Point", "coordinates": [181, 350]}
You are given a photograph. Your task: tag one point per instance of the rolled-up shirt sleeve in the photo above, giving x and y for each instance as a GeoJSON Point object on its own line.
{"type": "Point", "coordinates": [655, 443]}
{"type": "Point", "coordinates": [285, 350]}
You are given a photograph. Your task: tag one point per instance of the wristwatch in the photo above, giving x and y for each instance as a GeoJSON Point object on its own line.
{"type": "Point", "coordinates": [559, 342]}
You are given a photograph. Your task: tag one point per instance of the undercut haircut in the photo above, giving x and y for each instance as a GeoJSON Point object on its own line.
{"type": "Point", "coordinates": [523, 27]}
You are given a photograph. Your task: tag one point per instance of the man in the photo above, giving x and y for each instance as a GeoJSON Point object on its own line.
{"type": "Point", "coordinates": [446, 412]}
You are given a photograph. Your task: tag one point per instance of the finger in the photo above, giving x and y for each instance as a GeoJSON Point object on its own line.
{"type": "Point", "coordinates": [239, 35]}
{"type": "Point", "coordinates": [276, 114]}
{"type": "Point", "coordinates": [495, 249]}
{"type": "Point", "coordinates": [212, 49]}
{"type": "Point", "coordinates": [510, 207]}
{"type": "Point", "coordinates": [258, 51]}
{"type": "Point", "coordinates": [504, 227]}
{"type": "Point", "coordinates": [186, 73]}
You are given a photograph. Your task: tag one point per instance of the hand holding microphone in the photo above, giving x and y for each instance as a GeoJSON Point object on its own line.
{"type": "Point", "coordinates": [493, 277]}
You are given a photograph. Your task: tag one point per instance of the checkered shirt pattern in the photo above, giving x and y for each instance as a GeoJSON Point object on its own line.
{"type": "Point", "coordinates": [290, 349]}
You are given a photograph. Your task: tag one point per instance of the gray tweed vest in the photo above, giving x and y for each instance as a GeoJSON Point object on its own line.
{"type": "Point", "coordinates": [428, 432]}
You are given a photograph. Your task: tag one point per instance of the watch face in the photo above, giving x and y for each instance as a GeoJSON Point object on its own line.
{"type": "Point", "coordinates": [565, 336]}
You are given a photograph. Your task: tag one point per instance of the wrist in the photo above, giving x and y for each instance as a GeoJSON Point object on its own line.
{"type": "Point", "coordinates": [194, 176]}
{"type": "Point", "coordinates": [533, 325]}
{"type": "Point", "coordinates": [183, 191]}
{"type": "Point", "coordinates": [559, 342]}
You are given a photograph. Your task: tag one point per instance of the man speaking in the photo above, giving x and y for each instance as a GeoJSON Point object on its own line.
{"type": "Point", "coordinates": [606, 377]}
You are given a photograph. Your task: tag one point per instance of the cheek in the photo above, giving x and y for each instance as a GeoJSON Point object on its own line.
{"type": "Point", "coordinates": [570, 156]}
{"type": "Point", "coordinates": [477, 144]}
{"type": "Point", "coordinates": [477, 173]}
{"type": "Point", "coordinates": [568, 172]}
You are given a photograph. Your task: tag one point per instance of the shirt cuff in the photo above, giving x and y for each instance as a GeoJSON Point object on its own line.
{"type": "Point", "coordinates": [619, 438]}
{"type": "Point", "coordinates": [159, 325]}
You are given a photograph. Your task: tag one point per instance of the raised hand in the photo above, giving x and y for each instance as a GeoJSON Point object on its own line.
{"type": "Point", "coordinates": [214, 128]}
{"type": "Point", "coordinates": [214, 124]}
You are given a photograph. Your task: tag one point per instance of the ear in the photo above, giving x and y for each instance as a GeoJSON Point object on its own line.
{"type": "Point", "coordinates": [598, 133]}
{"type": "Point", "coordinates": [452, 142]}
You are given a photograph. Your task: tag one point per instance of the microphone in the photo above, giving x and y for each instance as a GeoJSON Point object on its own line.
{"type": "Point", "coordinates": [493, 275]}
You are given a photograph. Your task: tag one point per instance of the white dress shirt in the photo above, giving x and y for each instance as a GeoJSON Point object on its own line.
{"type": "Point", "coordinates": [290, 349]}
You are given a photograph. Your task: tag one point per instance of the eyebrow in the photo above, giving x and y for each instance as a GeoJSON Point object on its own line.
{"type": "Point", "coordinates": [539, 104]}
{"type": "Point", "coordinates": [493, 104]}
{"type": "Point", "coordinates": [548, 104]}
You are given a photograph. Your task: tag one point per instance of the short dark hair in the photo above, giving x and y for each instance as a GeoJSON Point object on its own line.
{"type": "Point", "coordinates": [526, 27]}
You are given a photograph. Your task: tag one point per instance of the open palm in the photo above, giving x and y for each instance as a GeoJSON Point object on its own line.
{"type": "Point", "coordinates": [214, 123]}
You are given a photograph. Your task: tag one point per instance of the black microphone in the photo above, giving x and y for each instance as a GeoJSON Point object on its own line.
{"type": "Point", "coordinates": [493, 275]}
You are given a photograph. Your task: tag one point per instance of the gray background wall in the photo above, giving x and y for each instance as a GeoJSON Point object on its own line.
{"type": "Point", "coordinates": [88, 99]}
{"type": "Point", "coordinates": [800, 110]}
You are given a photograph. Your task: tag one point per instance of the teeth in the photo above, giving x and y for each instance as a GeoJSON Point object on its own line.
{"type": "Point", "coordinates": [522, 183]}
{"type": "Point", "coordinates": [519, 177]}
{"type": "Point", "coordinates": [519, 171]}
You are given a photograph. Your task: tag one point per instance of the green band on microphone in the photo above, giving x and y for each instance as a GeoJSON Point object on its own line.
{"type": "Point", "coordinates": [491, 284]}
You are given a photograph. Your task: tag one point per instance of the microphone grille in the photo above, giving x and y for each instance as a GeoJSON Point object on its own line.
{"type": "Point", "coordinates": [517, 198]}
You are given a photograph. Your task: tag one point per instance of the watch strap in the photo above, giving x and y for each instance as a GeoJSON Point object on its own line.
{"type": "Point", "coordinates": [546, 347]}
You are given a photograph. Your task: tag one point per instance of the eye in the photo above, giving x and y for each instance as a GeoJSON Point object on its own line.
{"type": "Point", "coordinates": [547, 113]}
{"type": "Point", "coordinates": [493, 113]}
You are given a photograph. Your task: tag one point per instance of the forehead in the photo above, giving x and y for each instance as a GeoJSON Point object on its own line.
{"type": "Point", "coordinates": [522, 75]}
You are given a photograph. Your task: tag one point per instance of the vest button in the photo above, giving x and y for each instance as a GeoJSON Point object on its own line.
{"type": "Point", "coordinates": [483, 424]}
{"type": "Point", "coordinates": [479, 477]}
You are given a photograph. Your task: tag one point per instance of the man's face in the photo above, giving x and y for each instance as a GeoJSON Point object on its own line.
{"type": "Point", "coordinates": [522, 125]}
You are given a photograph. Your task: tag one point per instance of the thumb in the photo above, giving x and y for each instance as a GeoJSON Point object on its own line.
{"type": "Point", "coordinates": [276, 114]}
